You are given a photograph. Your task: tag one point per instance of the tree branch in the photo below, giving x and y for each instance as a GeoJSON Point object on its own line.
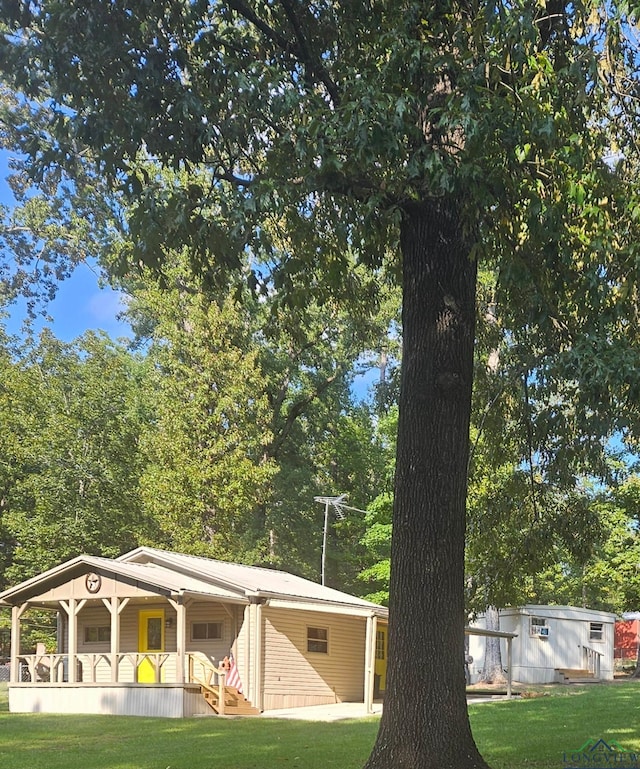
{"type": "Point", "coordinates": [311, 63]}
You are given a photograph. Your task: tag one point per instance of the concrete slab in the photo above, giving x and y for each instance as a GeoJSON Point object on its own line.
{"type": "Point", "coordinates": [338, 712]}
{"type": "Point", "coordinates": [346, 710]}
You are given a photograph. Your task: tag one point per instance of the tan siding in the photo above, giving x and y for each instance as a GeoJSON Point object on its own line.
{"type": "Point", "coordinates": [203, 611]}
{"type": "Point", "coordinates": [293, 676]}
{"type": "Point", "coordinates": [93, 617]}
{"type": "Point", "coordinates": [76, 588]}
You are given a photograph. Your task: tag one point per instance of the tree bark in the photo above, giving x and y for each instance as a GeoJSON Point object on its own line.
{"type": "Point", "coordinates": [425, 722]}
{"type": "Point", "coordinates": [492, 672]}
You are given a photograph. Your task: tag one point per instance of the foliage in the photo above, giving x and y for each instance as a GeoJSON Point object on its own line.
{"type": "Point", "coordinates": [207, 468]}
{"type": "Point", "coordinates": [449, 132]}
{"type": "Point", "coordinates": [73, 415]}
{"type": "Point", "coordinates": [608, 579]}
{"type": "Point", "coordinates": [48, 228]}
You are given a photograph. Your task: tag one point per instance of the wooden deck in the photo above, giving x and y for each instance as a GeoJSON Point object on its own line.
{"type": "Point", "coordinates": [44, 685]}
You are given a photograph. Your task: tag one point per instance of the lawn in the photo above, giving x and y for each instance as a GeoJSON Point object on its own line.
{"type": "Point", "coordinates": [520, 734]}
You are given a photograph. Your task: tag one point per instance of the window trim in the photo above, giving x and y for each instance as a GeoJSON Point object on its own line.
{"type": "Point", "coordinates": [106, 631]}
{"type": "Point", "coordinates": [600, 638]}
{"type": "Point", "coordinates": [318, 641]}
{"type": "Point", "coordinates": [538, 626]}
{"type": "Point", "coordinates": [207, 637]}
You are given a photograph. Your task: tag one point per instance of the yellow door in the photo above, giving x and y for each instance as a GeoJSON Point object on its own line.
{"type": "Point", "coordinates": [381, 661]}
{"type": "Point", "coordinates": [150, 641]}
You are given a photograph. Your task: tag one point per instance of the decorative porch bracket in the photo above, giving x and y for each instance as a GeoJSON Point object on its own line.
{"type": "Point", "coordinates": [72, 608]}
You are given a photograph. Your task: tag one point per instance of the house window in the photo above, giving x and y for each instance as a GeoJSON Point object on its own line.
{"type": "Point", "coordinates": [380, 644]}
{"type": "Point", "coordinates": [538, 626]}
{"type": "Point", "coordinates": [206, 631]}
{"type": "Point", "coordinates": [95, 634]}
{"type": "Point", "coordinates": [318, 640]}
{"type": "Point", "coordinates": [596, 631]}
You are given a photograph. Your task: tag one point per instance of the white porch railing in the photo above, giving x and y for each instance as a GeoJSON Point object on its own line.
{"type": "Point", "coordinates": [591, 660]}
{"type": "Point", "coordinates": [161, 667]}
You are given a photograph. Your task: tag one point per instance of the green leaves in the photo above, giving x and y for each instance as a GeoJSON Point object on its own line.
{"type": "Point", "coordinates": [73, 416]}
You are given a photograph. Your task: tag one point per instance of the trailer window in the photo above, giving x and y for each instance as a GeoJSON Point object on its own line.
{"type": "Point", "coordinates": [539, 627]}
{"type": "Point", "coordinates": [596, 631]}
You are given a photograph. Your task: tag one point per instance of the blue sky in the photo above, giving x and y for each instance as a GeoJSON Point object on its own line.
{"type": "Point", "coordinates": [82, 304]}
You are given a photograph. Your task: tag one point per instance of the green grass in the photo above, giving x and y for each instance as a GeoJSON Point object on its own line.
{"type": "Point", "coordinates": [520, 734]}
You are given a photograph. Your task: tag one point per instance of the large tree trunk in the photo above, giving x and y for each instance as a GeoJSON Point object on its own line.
{"type": "Point", "coordinates": [492, 672]}
{"type": "Point", "coordinates": [424, 722]}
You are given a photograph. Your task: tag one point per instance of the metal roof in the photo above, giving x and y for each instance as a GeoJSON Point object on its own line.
{"type": "Point", "coordinates": [177, 573]}
{"type": "Point", "coordinates": [251, 580]}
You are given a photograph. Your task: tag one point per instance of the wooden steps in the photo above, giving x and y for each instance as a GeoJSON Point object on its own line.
{"type": "Point", "coordinates": [575, 676]}
{"type": "Point", "coordinates": [235, 704]}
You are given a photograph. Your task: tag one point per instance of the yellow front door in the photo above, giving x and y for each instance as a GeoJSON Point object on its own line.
{"type": "Point", "coordinates": [381, 661]}
{"type": "Point", "coordinates": [150, 641]}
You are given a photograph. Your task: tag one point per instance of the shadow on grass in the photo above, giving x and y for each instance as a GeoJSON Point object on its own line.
{"type": "Point", "coordinates": [536, 732]}
{"type": "Point", "coordinates": [532, 733]}
{"type": "Point", "coordinates": [40, 741]}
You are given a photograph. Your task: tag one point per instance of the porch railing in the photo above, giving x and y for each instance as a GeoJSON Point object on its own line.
{"type": "Point", "coordinates": [591, 660]}
{"type": "Point", "coordinates": [161, 667]}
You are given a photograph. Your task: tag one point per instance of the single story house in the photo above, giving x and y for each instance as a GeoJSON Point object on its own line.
{"type": "Point", "coordinates": [552, 643]}
{"type": "Point", "coordinates": [147, 633]}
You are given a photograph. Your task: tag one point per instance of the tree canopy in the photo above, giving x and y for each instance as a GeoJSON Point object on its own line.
{"type": "Point", "coordinates": [405, 137]}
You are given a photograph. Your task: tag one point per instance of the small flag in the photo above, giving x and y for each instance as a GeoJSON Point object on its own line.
{"type": "Point", "coordinates": [233, 677]}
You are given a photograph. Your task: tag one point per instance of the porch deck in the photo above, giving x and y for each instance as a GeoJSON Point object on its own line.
{"type": "Point", "coordinates": [111, 684]}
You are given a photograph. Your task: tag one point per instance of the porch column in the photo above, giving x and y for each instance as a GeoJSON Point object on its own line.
{"type": "Point", "coordinates": [256, 694]}
{"type": "Point", "coordinates": [509, 658]}
{"type": "Point", "coordinates": [369, 662]}
{"type": "Point", "coordinates": [181, 636]}
{"type": "Point", "coordinates": [73, 641]}
{"type": "Point", "coordinates": [72, 608]}
{"type": "Point", "coordinates": [16, 613]}
{"type": "Point", "coordinates": [246, 621]}
{"type": "Point", "coordinates": [115, 635]}
{"type": "Point", "coordinates": [258, 702]}
{"type": "Point", "coordinates": [115, 607]}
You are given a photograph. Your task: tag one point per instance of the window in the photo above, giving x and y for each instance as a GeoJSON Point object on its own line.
{"type": "Point", "coordinates": [95, 634]}
{"type": "Point", "coordinates": [596, 631]}
{"type": "Point", "coordinates": [539, 627]}
{"type": "Point", "coordinates": [206, 631]}
{"type": "Point", "coordinates": [380, 638]}
{"type": "Point", "coordinates": [318, 640]}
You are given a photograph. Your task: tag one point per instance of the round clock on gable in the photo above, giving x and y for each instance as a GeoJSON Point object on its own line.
{"type": "Point", "coordinates": [93, 582]}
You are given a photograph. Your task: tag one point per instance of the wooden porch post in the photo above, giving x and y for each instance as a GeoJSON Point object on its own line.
{"type": "Point", "coordinates": [73, 641]}
{"type": "Point", "coordinates": [259, 660]}
{"type": "Point", "coordinates": [16, 613]}
{"type": "Point", "coordinates": [509, 674]}
{"type": "Point", "coordinates": [181, 636]}
{"type": "Point", "coordinates": [369, 662]}
{"type": "Point", "coordinates": [72, 608]}
{"type": "Point", "coordinates": [115, 607]}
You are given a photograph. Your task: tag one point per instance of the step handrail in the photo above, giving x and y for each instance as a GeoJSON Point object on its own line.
{"type": "Point", "coordinates": [592, 659]}
{"type": "Point", "coordinates": [209, 670]}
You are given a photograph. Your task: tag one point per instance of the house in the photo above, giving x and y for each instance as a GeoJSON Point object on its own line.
{"type": "Point", "coordinates": [553, 643]}
{"type": "Point", "coordinates": [146, 633]}
{"type": "Point", "coordinates": [627, 637]}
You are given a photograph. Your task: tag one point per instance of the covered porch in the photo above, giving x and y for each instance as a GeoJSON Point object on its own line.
{"type": "Point", "coordinates": [146, 634]}
{"type": "Point", "coordinates": [128, 646]}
